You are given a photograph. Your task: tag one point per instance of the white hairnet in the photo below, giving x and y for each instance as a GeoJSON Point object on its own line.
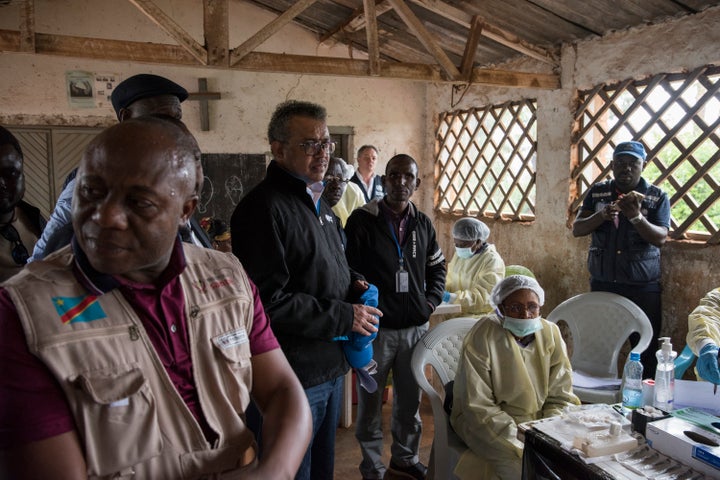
{"type": "Point", "coordinates": [348, 170]}
{"type": "Point", "coordinates": [470, 229]}
{"type": "Point", "coordinates": [505, 287]}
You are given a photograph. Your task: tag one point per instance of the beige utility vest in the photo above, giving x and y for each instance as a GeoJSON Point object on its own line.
{"type": "Point", "coordinates": [130, 418]}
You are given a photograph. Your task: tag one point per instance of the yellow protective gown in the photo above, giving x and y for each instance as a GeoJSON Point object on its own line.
{"type": "Point", "coordinates": [472, 279]}
{"type": "Point", "coordinates": [350, 200]}
{"type": "Point", "coordinates": [500, 384]}
{"type": "Point", "coordinates": [704, 322]}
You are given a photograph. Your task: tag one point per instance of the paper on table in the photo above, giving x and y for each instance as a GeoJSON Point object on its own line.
{"type": "Point", "coordinates": [583, 380]}
{"type": "Point", "coordinates": [689, 393]}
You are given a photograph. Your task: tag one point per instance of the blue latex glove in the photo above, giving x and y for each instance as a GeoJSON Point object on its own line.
{"type": "Point", "coordinates": [707, 364]}
{"type": "Point", "coordinates": [358, 348]}
{"type": "Point", "coordinates": [449, 297]}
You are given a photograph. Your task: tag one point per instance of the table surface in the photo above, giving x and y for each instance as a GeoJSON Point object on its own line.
{"type": "Point", "coordinates": [566, 465]}
{"type": "Point", "coordinates": [546, 455]}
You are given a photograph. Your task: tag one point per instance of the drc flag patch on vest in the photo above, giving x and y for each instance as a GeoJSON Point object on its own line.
{"type": "Point", "coordinates": [78, 309]}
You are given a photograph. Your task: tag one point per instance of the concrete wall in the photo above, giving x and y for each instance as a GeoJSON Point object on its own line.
{"type": "Point", "coordinates": [546, 245]}
{"type": "Point", "coordinates": [397, 116]}
{"type": "Point", "coordinates": [387, 113]}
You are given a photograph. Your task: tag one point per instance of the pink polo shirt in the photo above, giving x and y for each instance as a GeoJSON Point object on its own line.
{"type": "Point", "coordinates": [32, 404]}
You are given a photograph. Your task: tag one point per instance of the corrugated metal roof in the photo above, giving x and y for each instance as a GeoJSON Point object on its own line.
{"type": "Point", "coordinates": [545, 24]}
{"type": "Point", "coordinates": [426, 40]}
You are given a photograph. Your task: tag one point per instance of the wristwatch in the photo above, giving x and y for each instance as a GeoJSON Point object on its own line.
{"type": "Point", "coordinates": [637, 219]}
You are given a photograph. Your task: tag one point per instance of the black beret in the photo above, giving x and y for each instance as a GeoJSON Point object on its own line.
{"type": "Point", "coordinates": [144, 85]}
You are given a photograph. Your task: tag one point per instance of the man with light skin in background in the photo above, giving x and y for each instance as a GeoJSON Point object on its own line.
{"type": "Point", "coordinates": [365, 177]}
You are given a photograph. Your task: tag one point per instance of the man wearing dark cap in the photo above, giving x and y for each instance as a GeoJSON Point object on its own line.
{"type": "Point", "coordinates": [142, 94]}
{"type": "Point", "coordinates": [147, 94]}
{"type": "Point", "coordinates": [629, 220]}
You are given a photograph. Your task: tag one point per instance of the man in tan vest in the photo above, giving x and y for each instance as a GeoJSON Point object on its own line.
{"type": "Point", "coordinates": [129, 354]}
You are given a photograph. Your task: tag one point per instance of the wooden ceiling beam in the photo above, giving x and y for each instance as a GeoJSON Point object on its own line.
{"type": "Point", "coordinates": [506, 78]}
{"type": "Point", "coordinates": [27, 26]}
{"type": "Point", "coordinates": [494, 33]}
{"type": "Point", "coordinates": [157, 16]}
{"type": "Point", "coordinates": [142, 52]}
{"type": "Point", "coordinates": [268, 30]}
{"type": "Point", "coordinates": [97, 48]}
{"type": "Point", "coordinates": [359, 23]}
{"type": "Point", "coordinates": [356, 20]}
{"type": "Point", "coordinates": [304, 64]}
{"type": "Point", "coordinates": [416, 26]}
{"type": "Point", "coordinates": [471, 46]}
{"type": "Point", "coordinates": [372, 38]}
{"type": "Point", "coordinates": [216, 27]}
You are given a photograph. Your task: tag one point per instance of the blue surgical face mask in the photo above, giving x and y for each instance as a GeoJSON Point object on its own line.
{"type": "Point", "coordinates": [521, 327]}
{"type": "Point", "coordinates": [463, 252]}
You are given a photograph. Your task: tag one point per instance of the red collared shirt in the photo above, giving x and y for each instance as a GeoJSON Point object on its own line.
{"type": "Point", "coordinates": [32, 404]}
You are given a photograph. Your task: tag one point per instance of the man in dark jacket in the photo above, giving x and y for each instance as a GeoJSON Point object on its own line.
{"type": "Point", "coordinates": [394, 246]}
{"type": "Point", "coordinates": [286, 236]}
{"type": "Point", "coordinates": [629, 220]}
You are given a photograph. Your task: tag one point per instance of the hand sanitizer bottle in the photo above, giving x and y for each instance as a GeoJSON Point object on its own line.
{"type": "Point", "coordinates": [665, 376]}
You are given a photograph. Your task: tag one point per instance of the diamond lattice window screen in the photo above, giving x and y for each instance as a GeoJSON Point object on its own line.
{"type": "Point", "coordinates": [485, 161]}
{"type": "Point", "coordinates": [677, 118]}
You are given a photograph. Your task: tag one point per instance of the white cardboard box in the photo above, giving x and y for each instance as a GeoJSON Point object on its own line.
{"type": "Point", "coordinates": [695, 447]}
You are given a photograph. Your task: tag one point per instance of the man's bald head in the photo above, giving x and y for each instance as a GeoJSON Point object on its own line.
{"type": "Point", "coordinates": [180, 149]}
{"type": "Point", "coordinates": [136, 186]}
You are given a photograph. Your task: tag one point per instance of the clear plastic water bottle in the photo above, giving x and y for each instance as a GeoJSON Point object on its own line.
{"type": "Point", "coordinates": [632, 382]}
{"type": "Point", "coordinates": [665, 376]}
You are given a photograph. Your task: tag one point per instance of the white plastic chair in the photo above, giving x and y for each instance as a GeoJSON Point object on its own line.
{"type": "Point", "coordinates": [600, 323]}
{"type": "Point", "coordinates": [440, 347]}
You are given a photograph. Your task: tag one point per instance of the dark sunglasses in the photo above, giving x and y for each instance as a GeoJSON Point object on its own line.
{"type": "Point", "coordinates": [19, 252]}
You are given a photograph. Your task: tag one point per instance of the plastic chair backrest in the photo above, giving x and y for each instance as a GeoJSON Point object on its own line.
{"type": "Point", "coordinates": [440, 347]}
{"type": "Point", "coordinates": [600, 323]}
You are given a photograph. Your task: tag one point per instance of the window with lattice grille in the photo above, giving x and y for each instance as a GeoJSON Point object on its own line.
{"type": "Point", "coordinates": [677, 118]}
{"type": "Point", "coordinates": [485, 161]}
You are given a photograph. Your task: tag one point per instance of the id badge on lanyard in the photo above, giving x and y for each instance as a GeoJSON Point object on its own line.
{"type": "Point", "coordinates": [402, 277]}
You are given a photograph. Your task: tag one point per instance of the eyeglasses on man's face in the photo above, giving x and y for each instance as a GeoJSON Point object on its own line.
{"type": "Point", "coordinates": [334, 179]}
{"type": "Point", "coordinates": [313, 147]}
{"type": "Point", "coordinates": [517, 309]}
{"type": "Point", "coordinates": [19, 253]}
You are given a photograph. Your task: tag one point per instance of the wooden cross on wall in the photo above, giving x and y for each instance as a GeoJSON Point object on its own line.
{"type": "Point", "coordinates": [203, 96]}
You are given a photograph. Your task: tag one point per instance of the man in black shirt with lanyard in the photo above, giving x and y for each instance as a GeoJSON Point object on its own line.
{"type": "Point", "coordinates": [393, 245]}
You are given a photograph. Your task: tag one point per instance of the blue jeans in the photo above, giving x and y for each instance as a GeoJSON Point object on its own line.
{"type": "Point", "coordinates": [325, 400]}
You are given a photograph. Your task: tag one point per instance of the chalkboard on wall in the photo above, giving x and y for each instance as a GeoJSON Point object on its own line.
{"type": "Point", "coordinates": [228, 178]}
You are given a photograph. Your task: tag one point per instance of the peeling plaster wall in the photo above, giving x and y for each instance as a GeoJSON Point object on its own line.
{"type": "Point", "coordinates": [547, 246]}
{"type": "Point", "coordinates": [387, 113]}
